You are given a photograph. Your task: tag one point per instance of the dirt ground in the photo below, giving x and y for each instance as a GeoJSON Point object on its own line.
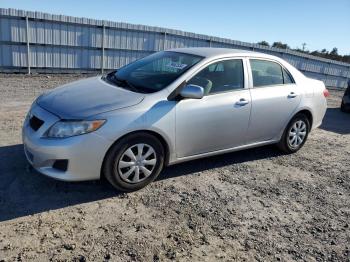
{"type": "Point", "coordinates": [251, 205]}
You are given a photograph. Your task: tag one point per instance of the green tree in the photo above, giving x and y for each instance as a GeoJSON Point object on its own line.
{"type": "Point", "coordinates": [324, 51]}
{"type": "Point", "coordinates": [334, 51]}
{"type": "Point", "coordinates": [280, 45]}
{"type": "Point", "coordinates": [346, 58]}
{"type": "Point", "coordinates": [265, 43]}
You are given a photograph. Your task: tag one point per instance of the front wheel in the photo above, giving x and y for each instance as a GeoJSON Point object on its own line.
{"type": "Point", "coordinates": [295, 134]}
{"type": "Point", "coordinates": [134, 162]}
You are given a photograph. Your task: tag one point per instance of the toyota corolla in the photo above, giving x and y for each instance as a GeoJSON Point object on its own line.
{"type": "Point", "coordinates": [170, 107]}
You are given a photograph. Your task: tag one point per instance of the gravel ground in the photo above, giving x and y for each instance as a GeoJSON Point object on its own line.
{"type": "Point", "coordinates": [251, 205]}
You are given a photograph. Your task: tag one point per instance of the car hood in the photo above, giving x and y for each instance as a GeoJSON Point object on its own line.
{"type": "Point", "coordinates": [87, 97]}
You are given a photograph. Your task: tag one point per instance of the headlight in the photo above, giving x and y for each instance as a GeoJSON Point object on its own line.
{"type": "Point", "coordinates": [66, 128]}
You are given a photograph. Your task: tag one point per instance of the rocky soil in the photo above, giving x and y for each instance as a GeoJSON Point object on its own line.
{"type": "Point", "coordinates": [256, 204]}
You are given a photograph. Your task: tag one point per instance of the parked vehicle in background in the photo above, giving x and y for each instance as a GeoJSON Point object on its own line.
{"type": "Point", "coordinates": [345, 103]}
{"type": "Point", "coordinates": [170, 107]}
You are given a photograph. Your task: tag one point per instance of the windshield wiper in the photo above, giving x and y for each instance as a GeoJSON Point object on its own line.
{"type": "Point", "coordinates": [126, 83]}
{"type": "Point", "coordinates": [121, 82]}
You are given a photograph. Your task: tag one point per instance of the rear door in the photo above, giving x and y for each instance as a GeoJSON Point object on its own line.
{"type": "Point", "coordinates": [275, 97]}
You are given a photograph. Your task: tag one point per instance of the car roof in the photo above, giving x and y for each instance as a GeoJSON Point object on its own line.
{"type": "Point", "coordinates": [209, 52]}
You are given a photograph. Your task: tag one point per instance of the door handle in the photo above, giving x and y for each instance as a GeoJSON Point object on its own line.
{"type": "Point", "coordinates": [242, 102]}
{"type": "Point", "coordinates": [292, 95]}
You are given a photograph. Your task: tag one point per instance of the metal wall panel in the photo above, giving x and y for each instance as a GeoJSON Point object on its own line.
{"type": "Point", "coordinates": [117, 58]}
{"type": "Point", "coordinates": [1, 56]}
{"type": "Point", "coordinates": [13, 56]}
{"type": "Point", "coordinates": [63, 43]}
{"type": "Point", "coordinates": [12, 30]}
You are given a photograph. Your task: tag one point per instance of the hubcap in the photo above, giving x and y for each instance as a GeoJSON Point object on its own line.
{"type": "Point", "coordinates": [137, 163]}
{"type": "Point", "coordinates": [297, 134]}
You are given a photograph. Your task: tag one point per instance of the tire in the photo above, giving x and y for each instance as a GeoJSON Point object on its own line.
{"type": "Point", "coordinates": [127, 170]}
{"type": "Point", "coordinates": [288, 143]}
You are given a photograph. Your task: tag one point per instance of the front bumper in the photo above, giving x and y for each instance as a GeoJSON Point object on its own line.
{"type": "Point", "coordinates": [85, 153]}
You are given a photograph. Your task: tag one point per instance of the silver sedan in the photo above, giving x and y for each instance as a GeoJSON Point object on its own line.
{"type": "Point", "coordinates": [170, 107]}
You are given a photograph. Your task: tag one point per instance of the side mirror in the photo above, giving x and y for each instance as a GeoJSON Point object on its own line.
{"type": "Point", "coordinates": [192, 91]}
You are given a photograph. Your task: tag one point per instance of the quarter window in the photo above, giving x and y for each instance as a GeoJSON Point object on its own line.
{"type": "Point", "coordinates": [221, 76]}
{"type": "Point", "coordinates": [287, 79]}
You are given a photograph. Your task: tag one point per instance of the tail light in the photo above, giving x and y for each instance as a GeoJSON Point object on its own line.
{"type": "Point", "coordinates": [326, 92]}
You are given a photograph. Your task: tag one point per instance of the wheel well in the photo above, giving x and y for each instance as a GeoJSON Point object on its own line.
{"type": "Point", "coordinates": [308, 114]}
{"type": "Point", "coordinates": [162, 141]}
{"type": "Point", "coordinates": [155, 134]}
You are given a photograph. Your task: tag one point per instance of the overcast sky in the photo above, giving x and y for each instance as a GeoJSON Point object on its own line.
{"type": "Point", "coordinates": [318, 23]}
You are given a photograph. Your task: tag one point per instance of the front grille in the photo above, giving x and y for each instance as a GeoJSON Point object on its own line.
{"type": "Point", "coordinates": [35, 123]}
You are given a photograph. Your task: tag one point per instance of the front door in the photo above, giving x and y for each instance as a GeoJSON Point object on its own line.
{"type": "Point", "coordinates": [220, 119]}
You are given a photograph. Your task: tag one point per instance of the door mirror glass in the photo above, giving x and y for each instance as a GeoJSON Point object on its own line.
{"type": "Point", "coordinates": [192, 91]}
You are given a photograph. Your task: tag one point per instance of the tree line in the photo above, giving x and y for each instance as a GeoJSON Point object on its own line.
{"type": "Point", "coordinates": [333, 54]}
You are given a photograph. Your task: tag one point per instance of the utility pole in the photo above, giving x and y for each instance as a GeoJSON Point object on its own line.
{"type": "Point", "coordinates": [164, 41]}
{"type": "Point", "coordinates": [303, 44]}
{"type": "Point", "coordinates": [28, 48]}
{"type": "Point", "coordinates": [103, 48]}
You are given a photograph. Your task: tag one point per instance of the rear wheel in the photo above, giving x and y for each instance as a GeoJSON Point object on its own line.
{"type": "Point", "coordinates": [134, 162]}
{"type": "Point", "coordinates": [295, 134]}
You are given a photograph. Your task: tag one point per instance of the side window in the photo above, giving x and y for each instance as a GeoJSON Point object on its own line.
{"type": "Point", "coordinates": [219, 77]}
{"type": "Point", "coordinates": [287, 79]}
{"type": "Point", "coordinates": [216, 67]}
{"type": "Point", "coordinates": [266, 73]}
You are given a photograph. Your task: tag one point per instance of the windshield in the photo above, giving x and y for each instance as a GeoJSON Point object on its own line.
{"type": "Point", "coordinates": [153, 73]}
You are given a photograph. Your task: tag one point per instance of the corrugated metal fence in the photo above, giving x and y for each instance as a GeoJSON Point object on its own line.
{"type": "Point", "coordinates": [41, 42]}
